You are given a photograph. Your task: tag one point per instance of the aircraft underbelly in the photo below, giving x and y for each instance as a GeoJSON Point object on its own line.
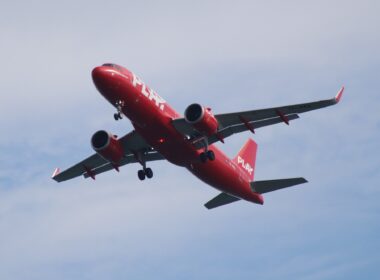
{"type": "Point", "coordinates": [169, 143]}
{"type": "Point", "coordinates": [159, 132]}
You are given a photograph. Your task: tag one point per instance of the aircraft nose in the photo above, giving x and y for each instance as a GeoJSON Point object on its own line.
{"type": "Point", "coordinates": [104, 79]}
{"type": "Point", "coordinates": [98, 74]}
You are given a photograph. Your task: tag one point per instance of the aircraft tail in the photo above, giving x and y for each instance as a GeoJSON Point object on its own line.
{"type": "Point", "coordinates": [246, 158]}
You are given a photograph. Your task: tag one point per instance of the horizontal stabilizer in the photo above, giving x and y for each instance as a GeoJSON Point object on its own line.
{"type": "Point", "coordinates": [221, 199]}
{"type": "Point", "coordinates": [273, 185]}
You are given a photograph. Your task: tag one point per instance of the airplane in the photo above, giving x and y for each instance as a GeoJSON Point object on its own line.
{"type": "Point", "coordinates": [160, 133]}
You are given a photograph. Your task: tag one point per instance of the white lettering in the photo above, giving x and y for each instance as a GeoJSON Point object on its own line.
{"type": "Point", "coordinates": [136, 81]}
{"type": "Point", "coordinates": [149, 93]}
{"type": "Point", "coordinates": [246, 166]}
{"type": "Point", "coordinates": [143, 90]}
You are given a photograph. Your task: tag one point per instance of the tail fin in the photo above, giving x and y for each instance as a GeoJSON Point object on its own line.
{"type": "Point", "coordinates": [246, 158]}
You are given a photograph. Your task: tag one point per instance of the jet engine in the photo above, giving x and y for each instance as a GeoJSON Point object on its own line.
{"type": "Point", "coordinates": [106, 145]}
{"type": "Point", "coordinates": [201, 119]}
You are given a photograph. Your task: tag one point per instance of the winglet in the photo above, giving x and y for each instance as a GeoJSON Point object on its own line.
{"type": "Point", "coordinates": [339, 95]}
{"type": "Point", "coordinates": [55, 173]}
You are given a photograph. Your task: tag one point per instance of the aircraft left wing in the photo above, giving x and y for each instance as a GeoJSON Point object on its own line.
{"type": "Point", "coordinates": [133, 145]}
{"type": "Point", "coordinates": [231, 123]}
{"type": "Point", "coordinates": [282, 112]}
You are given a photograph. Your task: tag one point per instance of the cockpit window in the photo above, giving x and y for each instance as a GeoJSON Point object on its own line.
{"type": "Point", "coordinates": [115, 66]}
{"type": "Point", "coordinates": [109, 64]}
{"type": "Point", "coordinates": [119, 69]}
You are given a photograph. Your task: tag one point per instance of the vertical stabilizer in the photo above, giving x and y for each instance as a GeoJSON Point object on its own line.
{"type": "Point", "coordinates": [246, 158]}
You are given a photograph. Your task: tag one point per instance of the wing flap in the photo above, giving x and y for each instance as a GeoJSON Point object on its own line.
{"type": "Point", "coordinates": [221, 199]}
{"type": "Point", "coordinates": [273, 185]}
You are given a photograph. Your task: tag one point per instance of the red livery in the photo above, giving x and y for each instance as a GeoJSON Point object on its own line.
{"type": "Point", "coordinates": [162, 133]}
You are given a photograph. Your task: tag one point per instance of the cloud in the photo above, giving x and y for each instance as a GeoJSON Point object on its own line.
{"type": "Point", "coordinates": [228, 56]}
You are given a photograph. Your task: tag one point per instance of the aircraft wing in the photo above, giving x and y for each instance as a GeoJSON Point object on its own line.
{"type": "Point", "coordinates": [231, 123]}
{"type": "Point", "coordinates": [95, 164]}
{"type": "Point", "coordinates": [226, 120]}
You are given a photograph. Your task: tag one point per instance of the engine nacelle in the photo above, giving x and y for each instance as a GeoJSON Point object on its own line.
{"type": "Point", "coordinates": [106, 145]}
{"type": "Point", "coordinates": [201, 119]}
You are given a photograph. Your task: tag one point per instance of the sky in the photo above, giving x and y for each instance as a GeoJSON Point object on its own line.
{"type": "Point", "coordinates": [230, 56]}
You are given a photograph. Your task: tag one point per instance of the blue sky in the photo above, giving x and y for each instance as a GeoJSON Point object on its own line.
{"type": "Point", "coordinates": [231, 57]}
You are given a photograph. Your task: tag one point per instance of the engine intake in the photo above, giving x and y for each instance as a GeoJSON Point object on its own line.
{"type": "Point", "coordinates": [201, 119]}
{"type": "Point", "coordinates": [107, 146]}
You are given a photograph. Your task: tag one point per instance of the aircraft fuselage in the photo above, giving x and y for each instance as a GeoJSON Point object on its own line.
{"type": "Point", "coordinates": [152, 118]}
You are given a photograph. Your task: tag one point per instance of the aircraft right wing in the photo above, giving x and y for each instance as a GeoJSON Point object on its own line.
{"type": "Point", "coordinates": [132, 143]}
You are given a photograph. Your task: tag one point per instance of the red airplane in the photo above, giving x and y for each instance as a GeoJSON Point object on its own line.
{"type": "Point", "coordinates": [161, 133]}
